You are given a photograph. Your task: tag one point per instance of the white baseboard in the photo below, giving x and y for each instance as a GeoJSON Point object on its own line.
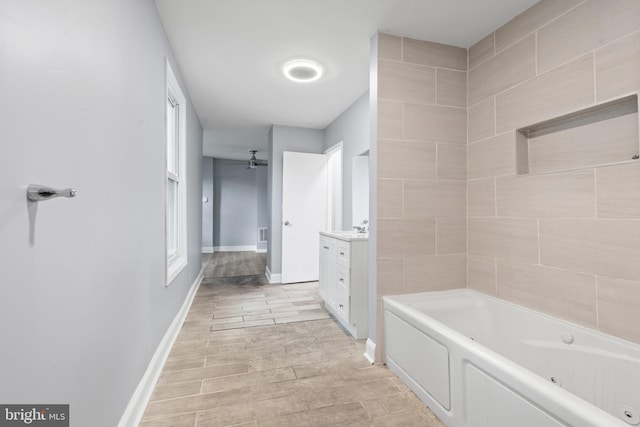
{"type": "Point", "coordinates": [273, 278]}
{"type": "Point", "coordinates": [207, 250]}
{"type": "Point", "coordinates": [370, 351]}
{"type": "Point", "coordinates": [235, 248]}
{"type": "Point", "coordinates": [138, 403]}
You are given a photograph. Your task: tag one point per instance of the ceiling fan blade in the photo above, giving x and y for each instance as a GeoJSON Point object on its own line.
{"type": "Point", "coordinates": [253, 162]}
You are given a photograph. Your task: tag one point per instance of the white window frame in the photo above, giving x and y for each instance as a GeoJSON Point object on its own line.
{"type": "Point", "coordinates": [176, 263]}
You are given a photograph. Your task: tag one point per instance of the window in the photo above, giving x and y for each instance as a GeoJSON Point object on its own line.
{"type": "Point", "coordinates": [175, 182]}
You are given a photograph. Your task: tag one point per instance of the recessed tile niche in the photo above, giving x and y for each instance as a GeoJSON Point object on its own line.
{"type": "Point", "coordinates": [604, 134]}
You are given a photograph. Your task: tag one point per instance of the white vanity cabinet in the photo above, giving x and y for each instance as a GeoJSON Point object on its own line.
{"type": "Point", "coordinates": [344, 279]}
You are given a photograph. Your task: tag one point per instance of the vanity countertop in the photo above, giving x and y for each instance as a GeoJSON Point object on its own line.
{"type": "Point", "coordinates": [348, 236]}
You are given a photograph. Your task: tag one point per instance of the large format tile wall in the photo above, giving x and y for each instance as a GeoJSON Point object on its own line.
{"type": "Point", "coordinates": [565, 243]}
{"type": "Point", "coordinates": [421, 167]}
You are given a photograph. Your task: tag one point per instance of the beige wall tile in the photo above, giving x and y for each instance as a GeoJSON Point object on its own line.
{"type": "Point", "coordinates": [555, 195]}
{"type": "Point", "coordinates": [389, 47]}
{"type": "Point", "coordinates": [481, 198]}
{"type": "Point", "coordinates": [530, 20]}
{"type": "Point", "coordinates": [508, 238]}
{"type": "Point", "coordinates": [596, 246]}
{"type": "Point", "coordinates": [592, 24]}
{"type": "Point", "coordinates": [451, 87]}
{"type": "Point", "coordinates": [451, 235]}
{"type": "Point", "coordinates": [435, 273]}
{"type": "Point", "coordinates": [569, 31]}
{"type": "Point", "coordinates": [508, 68]}
{"type": "Point", "coordinates": [618, 68]}
{"type": "Point", "coordinates": [389, 198]}
{"type": "Point", "coordinates": [482, 50]}
{"type": "Point", "coordinates": [406, 159]}
{"type": "Point", "coordinates": [482, 120]}
{"type": "Point", "coordinates": [618, 302]}
{"type": "Point", "coordinates": [606, 141]}
{"type": "Point", "coordinates": [390, 276]}
{"type": "Point", "coordinates": [492, 157]}
{"type": "Point", "coordinates": [561, 293]}
{"type": "Point", "coordinates": [452, 161]}
{"type": "Point", "coordinates": [423, 198]}
{"type": "Point", "coordinates": [618, 189]}
{"type": "Point", "coordinates": [389, 119]}
{"type": "Point", "coordinates": [434, 54]}
{"type": "Point", "coordinates": [406, 82]}
{"type": "Point", "coordinates": [399, 238]}
{"type": "Point", "coordinates": [549, 95]}
{"type": "Point", "coordinates": [435, 123]}
{"type": "Point", "coordinates": [481, 274]}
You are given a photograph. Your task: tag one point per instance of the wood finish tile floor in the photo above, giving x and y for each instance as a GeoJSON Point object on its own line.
{"type": "Point", "coordinates": [228, 264]}
{"type": "Point", "coordinates": [254, 354]}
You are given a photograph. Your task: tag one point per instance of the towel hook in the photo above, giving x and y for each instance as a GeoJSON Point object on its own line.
{"type": "Point", "coordinates": [36, 193]}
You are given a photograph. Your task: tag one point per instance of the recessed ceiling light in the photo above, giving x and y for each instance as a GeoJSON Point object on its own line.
{"type": "Point", "coordinates": [302, 70]}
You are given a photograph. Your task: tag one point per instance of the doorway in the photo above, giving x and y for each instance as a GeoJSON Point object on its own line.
{"type": "Point", "coordinates": [334, 187]}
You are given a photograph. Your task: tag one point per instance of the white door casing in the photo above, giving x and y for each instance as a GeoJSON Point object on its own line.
{"type": "Point", "coordinates": [304, 214]}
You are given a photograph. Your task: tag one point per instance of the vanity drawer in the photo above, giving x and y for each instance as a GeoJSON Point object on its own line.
{"type": "Point", "coordinates": [342, 305]}
{"type": "Point", "coordinates": [342, 279]}
{"type": "Point", "coordinates": [343, 253]}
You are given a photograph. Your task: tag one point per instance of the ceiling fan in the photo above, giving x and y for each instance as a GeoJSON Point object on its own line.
{"type": "Point", "coordinates": [253, 162]}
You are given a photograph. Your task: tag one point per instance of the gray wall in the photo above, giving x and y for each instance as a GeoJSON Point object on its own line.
{"type": "Point", "coordinates": [284, 138]}
{"type": "Point", "coordinates": [237, 203]}
{"type": "Point", "coordinates": [352, 128]}
{"type": "Point", "coordinates": [207, 208]}
{"type": "Point", "coordinates": [235, 217]}
{"type": "Point", "coordinates": [83, 303]}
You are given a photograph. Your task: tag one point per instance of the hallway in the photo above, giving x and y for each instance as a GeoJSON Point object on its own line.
{"type": "Point", "coordinates": [254, 354]}
{"type": "Point", "coordinates": [230, 264]}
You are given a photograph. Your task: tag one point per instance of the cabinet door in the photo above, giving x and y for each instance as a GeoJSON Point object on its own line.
{"type": "Point", "coordinates": [326, 287]}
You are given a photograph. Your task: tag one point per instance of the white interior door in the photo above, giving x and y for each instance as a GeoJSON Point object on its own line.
{"type": "Point", "coordinates": [304, 214]}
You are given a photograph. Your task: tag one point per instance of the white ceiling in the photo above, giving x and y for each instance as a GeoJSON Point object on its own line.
{"type": "Point", "coordinates": [230, 52]}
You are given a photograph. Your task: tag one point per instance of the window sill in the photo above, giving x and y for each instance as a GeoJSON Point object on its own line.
{"type": "Point", "coordinates": [175, 268]}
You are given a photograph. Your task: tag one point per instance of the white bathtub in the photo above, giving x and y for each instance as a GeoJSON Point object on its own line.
{"type": "Point", "coordinates": [476, 361]}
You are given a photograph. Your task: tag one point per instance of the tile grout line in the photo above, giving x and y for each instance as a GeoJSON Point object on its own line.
{"type": "Point", "coordinates": [597, 280]}
{"type": "Point", "coordinates": [539, 243]}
